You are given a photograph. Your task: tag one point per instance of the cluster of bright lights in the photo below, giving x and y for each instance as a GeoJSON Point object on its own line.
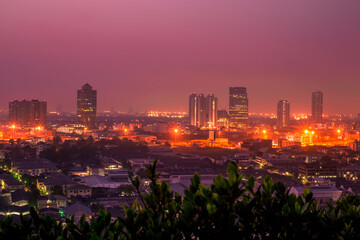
{"type": "Point", "coordinates": [166, 114]}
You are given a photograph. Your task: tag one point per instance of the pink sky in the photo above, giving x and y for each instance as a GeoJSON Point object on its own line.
{"type": "Point", "coordinates": [151, 54]}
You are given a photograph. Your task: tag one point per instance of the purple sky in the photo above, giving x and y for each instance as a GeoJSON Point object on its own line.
{"type": "Point", "coordinates": [151, 54]}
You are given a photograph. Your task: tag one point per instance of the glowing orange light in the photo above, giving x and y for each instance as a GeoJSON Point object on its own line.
{"type": "Point", "coordinates": [264, 131]}
{"type": "Point", "coordinates": [175, 130]}
{"type": "Point", "coordinates": [338, 130]}
{"type": "Point", "coordinates": [13, 126]}
{"type": "Point", "coordinates": [125, 130]}
{"type": "Point", "coordinates": [306, 131]}
{"type": "Point", "coordinates": [85, 129]}
{"type": "Point", "coordinates": [38, 128]}
{"type": "Point", "coordinates": [312, 132]}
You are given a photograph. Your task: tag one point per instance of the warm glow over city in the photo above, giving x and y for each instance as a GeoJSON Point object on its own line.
{"type": "Point", "coordinates": [181, 119]}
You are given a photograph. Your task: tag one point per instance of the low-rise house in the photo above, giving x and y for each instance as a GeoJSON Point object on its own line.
{"type": "Point", "coordinates": [8, 182]}
{"type": "Point", "coordinates": [78, 190]}
{"type": "Point", "coordinates": [96, 181]}
{"type": "Point", "coordinates": [351, 173]}
{"type": "Point", "coordinates": [322, 194]}
{"type": "Point", "coordinates": [52, 201]}
{"type": "Point", "coordinates": [32, 166]}
{"type": "Point", "coordinates": [47, 185]}
{"type": "Point", "coordinates": [20, 198]}
{"type": "Point", "coordinates": [78, 210]}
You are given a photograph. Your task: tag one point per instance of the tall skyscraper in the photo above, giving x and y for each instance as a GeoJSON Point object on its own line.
{"type": "Point", "coordinates": [193, 109]}
{"type": "Point", "coordinates": [86, 106]}
{"type": "Point", "coordinates": [212, 111]}
{"type": "Point", "coordinates": [317, 106]}
{"type": "Point", "coordinates": [238, 107]}
{"type": "Point", "coordinates": [203, 110]}
{"type": "Point", "coordinates": [28, 113]}
{"type": "Point", "coordinates": [283, 114]}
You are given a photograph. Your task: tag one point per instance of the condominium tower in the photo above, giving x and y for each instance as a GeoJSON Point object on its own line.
{"type": "Point", "coordinates": [317, 106]}
{"type": "Point", "coordinates": [86, 106]}
{"type": "Point", "coordinates": [283, 114]}
{"type": "Point", "coordinates": [238, 107]}
{"type": "Point", "coordinates": [27, 113]}
{"type": "Point", "coordinates": [203, 110]}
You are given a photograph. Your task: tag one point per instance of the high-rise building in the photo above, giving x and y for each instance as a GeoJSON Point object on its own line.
{"type": "Point", "coordinates": [283, 114]}
{"type": "Point", "coordinates": [28, 113]}
{"type": "Point", "coordinates": [238, 107]}
{"type": "Point", "coordinates": [193, 109]}
{"type": "Point", "coordinates": [212, 111]}
{"type": "Point", "coordinates": [86, 106]}
{"type": "Point", "coordinates": [317, 106]}
{"type": "Point", "coordinates": [203, 110]}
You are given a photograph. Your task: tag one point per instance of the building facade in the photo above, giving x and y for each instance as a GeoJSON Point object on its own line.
{"type": "Point", "coordinates": [223, 118]}
{"type": "Point", "coordinates": [27, 113]}
{"type": "Point", "coordinates": [86, 106]}
{"type": "Point", "coordinates": [238, 107]}
{"type": "Point", "coordinates": [283, 114]}
{"type": "Point", "coordinates": [203, 110]}
{"type": "Point", "coordinates": [317, 106]}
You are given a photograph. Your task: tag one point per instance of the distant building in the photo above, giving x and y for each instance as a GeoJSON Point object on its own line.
{"type": "Point", "coordinates": [28, 113]}
{"type": "Point", "coordinates": [319, 169]}
{"type": "Point", "coordinates": [238, 107]}
{"type": "Point", "coordinates": [222, 118]}
{"type": "Point", "coordinates": [355, 146]}
{"type": "Point", "coordinates": [283, 114]}
{"type": "Point", "coordinates": [350, 173]}
{"type": "Point", "coordinates": [86, 106]}
{"type": "Point", "coordinates": [32, 166]}
{"type": "Point", "coordinates": [203, 110]}
{"type": "Point", "coordinates": [317, 106]}
{"type": "Point", "coordinates": [193, 109]}
{"type": "Point", "coordinates": [321, 194]}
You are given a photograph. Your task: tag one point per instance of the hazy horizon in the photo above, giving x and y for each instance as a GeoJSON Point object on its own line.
{"type": "Point", "coordinates": [151, 55]}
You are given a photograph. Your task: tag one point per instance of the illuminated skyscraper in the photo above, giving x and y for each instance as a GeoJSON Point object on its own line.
{"type": "Point", "coordinates": [86, 106]}
{"type": "Point", "coordinates": [317, 106]}
{"type": "Point", "coordinates": [283, 114]}
{"type": "Point", "coordinates": [28, 113]}
{"type": "Point", "coordinates": [212, 111]}
{"type": "Point", "coordinates": [238, 107]}
{"type": "Point", "coordinates": [203, 110]}
{"type": "Point", "coordinates": [193, 109]}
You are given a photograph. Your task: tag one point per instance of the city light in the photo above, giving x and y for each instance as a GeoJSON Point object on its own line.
{"type": "Point", "coordinates": [264, 131]}
{"type": "Point", "coordinates": [306, 131]}
{"type": "Point", "coordinates": [176, 130]}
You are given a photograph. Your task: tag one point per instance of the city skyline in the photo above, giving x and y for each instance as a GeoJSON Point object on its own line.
{"type": "Point", "coordinates": [45, 55]}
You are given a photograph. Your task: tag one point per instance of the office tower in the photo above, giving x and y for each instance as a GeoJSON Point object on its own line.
{"type": "Point", "coordinates": [238, 107]}
{"type": "Point", "coordinates": [28, 113]}
{"type": "Point", "coordinates": [212, 103]}
{"type": "Point", "coordinates": [223, 118]}
{"type": "Point", "coordinates": [86, 106]}
{"type": "Point", "coordinates": [203, 110]}
{"type": "Point", "coordinates": [283, 114]}
{"type": "Point", "coordinates": [193, 109]}
{"type": "Point", "coordinates": [317, 106]}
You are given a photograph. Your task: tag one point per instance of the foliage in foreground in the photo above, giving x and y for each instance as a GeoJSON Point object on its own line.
{"type": "Point", "coordinates": [228, 209]}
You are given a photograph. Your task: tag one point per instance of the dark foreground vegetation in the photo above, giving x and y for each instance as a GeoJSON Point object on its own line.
{"type": "Point", "coordinates": [228, 209]}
